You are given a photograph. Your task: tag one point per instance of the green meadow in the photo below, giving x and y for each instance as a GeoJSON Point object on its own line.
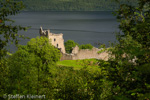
{"type": "Point", "coordinates": [89, 64]}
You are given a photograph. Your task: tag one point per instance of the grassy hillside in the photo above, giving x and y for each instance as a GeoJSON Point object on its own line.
{"type": "Point", "coordinates": [70, 5]}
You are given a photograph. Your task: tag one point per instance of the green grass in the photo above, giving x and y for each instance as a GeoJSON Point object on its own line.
{"type": "Point", "coordinates": [90, 64]}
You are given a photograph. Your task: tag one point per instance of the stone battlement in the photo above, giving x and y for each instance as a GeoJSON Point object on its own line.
{"type": "Point", "coordinates": [47, 32]}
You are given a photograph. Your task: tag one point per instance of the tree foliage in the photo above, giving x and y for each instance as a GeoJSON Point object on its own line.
{"type": "Point", "coordinates": [30, 67]}
{"type": "Point", "coordinates": [23, 71]}
{"type": "Point", "coordinates": [69, 45]}
{"type": "Point", "coordinates": [125, 76]}
{"type": "Point", "coordinates": [8, 30]}
{"type": "Point", "coordinates": [86, 46]}
{"type": "Point", "coordinates": [71, 5]}
{"type": "Point", "coordinates": [132, 56]}
{"type": "Point", "coordinates": [8, 33]}
{"type": "Point", "coordinates": [44, 50]}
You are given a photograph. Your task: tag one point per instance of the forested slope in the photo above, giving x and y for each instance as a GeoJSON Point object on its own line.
{"type": "Point", "coordinates": [71, 5]}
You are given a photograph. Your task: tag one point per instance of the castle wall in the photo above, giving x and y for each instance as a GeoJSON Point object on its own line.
{"type": "Point", "coordinates": [66, 56]}
{"type": "Point", "coordinates": [86, 54]}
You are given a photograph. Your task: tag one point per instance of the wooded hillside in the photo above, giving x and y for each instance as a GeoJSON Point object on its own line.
{"type": "Point", "coordinates": [71, 5]}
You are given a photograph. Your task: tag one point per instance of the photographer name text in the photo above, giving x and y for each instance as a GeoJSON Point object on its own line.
{"type": "Point", "coordinates": [28, 96]}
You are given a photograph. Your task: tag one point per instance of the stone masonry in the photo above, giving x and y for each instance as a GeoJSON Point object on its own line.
{"type": "Point", "coordinates": [58, 41]}
{"type": "Point", "coordinates": [85, 54]}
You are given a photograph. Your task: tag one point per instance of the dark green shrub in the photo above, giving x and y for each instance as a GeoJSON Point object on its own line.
{"type": "Point", "coordinates": [69, 46]}
{"type": "Point", "coordinates": [86, 46]}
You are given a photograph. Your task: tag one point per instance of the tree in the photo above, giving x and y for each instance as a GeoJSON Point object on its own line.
{"type": "Point", "coordinates": [69, 45]}
{"type": "Point", "coordinates": [23, 73]}
{"type": "Point", "coordinates": [8, 33]}
{"type": "Point", "coordinates": [136, 23]}
{"type": "Point", "coordinates": [129, 70]}
{"type": "Point", "coordinates": [43, 49]}
{"type": "Point", "coordinates": [86, 46]}
{"type": "Point", "coordinates": [30, 67]}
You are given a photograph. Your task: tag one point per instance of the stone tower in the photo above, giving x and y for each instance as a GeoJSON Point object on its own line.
{"type": "Point", "coordinates": [56, 39]}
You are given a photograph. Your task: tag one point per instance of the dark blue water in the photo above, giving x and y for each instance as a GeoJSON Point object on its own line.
{"type": "Point", "coordinates": [82, 27]}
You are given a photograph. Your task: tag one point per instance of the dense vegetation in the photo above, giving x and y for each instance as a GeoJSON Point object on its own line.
{"type": "Point", "coordinates": [130, 69]}
{"type": "Point", "coordinates": [71, 5]}
{"type": "Point", "coordinates": [34, 68]}
{"type": "Point", "coordinates": [70, 44]}
{"type": "Point", "coordinates": [30, 66]}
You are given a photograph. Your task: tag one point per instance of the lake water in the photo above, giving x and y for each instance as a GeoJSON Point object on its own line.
{"type": "Point", "coordinates": [82, 27]}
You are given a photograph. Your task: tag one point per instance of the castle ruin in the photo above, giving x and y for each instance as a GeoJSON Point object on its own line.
{"type": "Point", "coordinates": [58, 41]}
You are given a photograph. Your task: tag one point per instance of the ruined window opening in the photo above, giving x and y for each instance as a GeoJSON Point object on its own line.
{"type": "Point", "coordinates": [54, 40]}
{"type": "Point", "coordinates": [57, 45]}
